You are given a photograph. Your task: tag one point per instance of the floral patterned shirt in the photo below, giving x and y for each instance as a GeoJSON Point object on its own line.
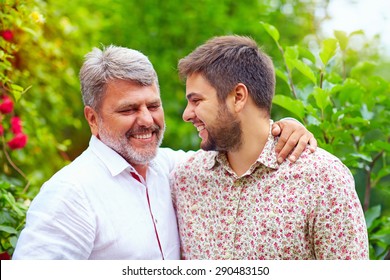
{"type": "Point", "coordinates": [303, 210]}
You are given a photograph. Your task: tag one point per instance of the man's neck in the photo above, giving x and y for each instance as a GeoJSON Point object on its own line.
{"type": "Point", "coordinates": [141, 169]}
{"type": "Point", "coordinates": [254, 137]}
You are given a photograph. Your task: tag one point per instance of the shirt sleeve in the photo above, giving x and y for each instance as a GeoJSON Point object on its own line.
{"type": "Point", "coordinates": [173, 158]}
{"type": "Point", "coordinates": [59, 225]}
{"type": "Point", "coordinates": [339, 228]}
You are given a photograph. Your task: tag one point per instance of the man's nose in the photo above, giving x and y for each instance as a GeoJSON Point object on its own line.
{"type": "Point", "coordinates": [188, 113]}
{"type": "Point", "coordinates": [145, 118]}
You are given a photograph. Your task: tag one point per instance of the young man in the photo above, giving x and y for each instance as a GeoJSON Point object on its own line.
{"type": "Point", "coordinates": [114, 200]}
{"type": "Point", "coordinates": [234, 200]}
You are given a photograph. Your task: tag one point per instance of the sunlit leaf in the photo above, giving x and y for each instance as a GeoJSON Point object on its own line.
{"type": "Point", "coordinates": [328, 50]}
{"type": "Point", "coordinates": [342, 37]}
{"type": "Point", "coordinates": [305, 70]}
{"type": "Point", "coordinates": [321, 97]}
{"type": "Point", "coordinates": [294, 106]}
{"type": "Point", "coordinates": [291, 52]}
{"type": "Point", "coordinates": [271, 30]}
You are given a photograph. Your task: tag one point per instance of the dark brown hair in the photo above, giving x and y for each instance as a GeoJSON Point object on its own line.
{"type": "Point", "coordinates": [225, 61]}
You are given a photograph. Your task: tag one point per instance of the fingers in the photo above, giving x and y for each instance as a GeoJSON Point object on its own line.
{"type": "Point", "coordinates": [300, 147]}
{"type": "Point", "coordinates": [286, 145]}
{"type": "Point", "coordinates": [313, 144]}
{"type": "Point", "coordinates": [292, 143]}
{"type": "Point", "coordinates": [294, 139]}
{"type": "Point", "coordinates": [284, 137]}
{"type": "Point", "coordinates": [275, 129]}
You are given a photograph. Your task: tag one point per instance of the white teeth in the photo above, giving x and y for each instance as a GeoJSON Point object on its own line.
{"type": "Point", "coordinates": [143, 136]}
{"type": "Point", "coordinates": [199, 128]}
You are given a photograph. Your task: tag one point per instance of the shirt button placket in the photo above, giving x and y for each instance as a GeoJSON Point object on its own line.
{"type": "Point", "coordinates": [231, 220]}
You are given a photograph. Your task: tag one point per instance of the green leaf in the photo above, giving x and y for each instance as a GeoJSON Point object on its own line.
{"type": "Point", "coordinates": [305, 70]}
{"type": "Point", "coordinates": [8, 229]}
{"type": "Point", "coordinates": [304, 52]}
{"type": "Point", "coordinates": [16, 91]}
{"type": "Point", "coordinates": [372, 214]}
{"type": "Point", "coordinates": [13, 240]}
{"type": "Point", "coordinates": [321, 97]}
{"type": "Point", "coordinates": [291, 54]}
{"type": "Point", "coordinates": [362, 157]}
{"type": "Point", "coordinates": [328, 50]}
{"type": "Point", "coordinates": [11, 200]}
{"type": "Point", "coordinates": [294, 106]}
{"type": "Point", "coordinates": [342, 37]}
{"type": "Point", "coordinates": [350, 92]}
{"type": "Point", "coordinates": [383, 236]}
{"type": "Point", "coordinates": [382, 145]}
{"type": "Point", "coordinates": [385, 171]}
{"type": "Point", "coordinates": [357, 32]}
{"type": "Point", "coordinates": [271, 30]}
{"type": "Point", "coordinates": [282, 75]}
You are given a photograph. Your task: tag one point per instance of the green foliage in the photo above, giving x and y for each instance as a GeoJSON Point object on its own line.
{"type": "Point", "coordinates": [37, 73]}
{"type": "Point", "coordinates": [12, 216]}
{"type": "Point", "coordinates": [337, 93]}
{"type": "Point", "coordinates": [379, 232]}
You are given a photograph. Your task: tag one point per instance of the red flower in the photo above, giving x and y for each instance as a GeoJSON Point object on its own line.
{"type": "Point", "coordinates": [16, 125]}
{"type": "Point", "coordinates": [5, 256]}
{"type": "Point", "coordinates": [7, 105]}
{"type": "Point", "coordinates": [18, 142]}
{"type": "Point", "coordinates": [1, 130]}
{"type": "Point", "coordinates": [8, 35]}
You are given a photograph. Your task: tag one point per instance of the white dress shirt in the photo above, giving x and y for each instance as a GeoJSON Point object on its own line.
{"type": "Point", "coordinates": [95, 209]}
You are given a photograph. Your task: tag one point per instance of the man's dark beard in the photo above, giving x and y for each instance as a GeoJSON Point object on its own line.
{"type": "Point", "coordinates": [225, 135]}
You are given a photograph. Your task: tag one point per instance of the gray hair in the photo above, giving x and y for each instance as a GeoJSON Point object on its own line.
{"type": "Point", "coordinates": [110, 63]}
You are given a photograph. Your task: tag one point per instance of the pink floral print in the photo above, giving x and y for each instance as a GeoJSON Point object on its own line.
{"type": "Point", "coordinates": [303, 210]}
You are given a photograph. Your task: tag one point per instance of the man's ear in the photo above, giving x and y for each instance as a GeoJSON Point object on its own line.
{"type": "Point", "coordinates": [240, 94]}
{"type": "Point", "coordinates": [92, 118]}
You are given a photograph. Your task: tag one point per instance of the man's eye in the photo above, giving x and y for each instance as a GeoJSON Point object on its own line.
{"type": "Point", "coordinates": [154, 107]}
{"type": "Point", "coordinates": [127, 111]}
{"type": "Point", "coordinates": [195, 101]}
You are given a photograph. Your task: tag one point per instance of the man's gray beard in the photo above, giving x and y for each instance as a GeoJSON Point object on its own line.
{"type": "Point", "coordinates": [121, 146]}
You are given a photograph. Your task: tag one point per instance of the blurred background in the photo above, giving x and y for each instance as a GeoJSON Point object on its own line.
{"type": "Point", "coordinates": [331, 56]}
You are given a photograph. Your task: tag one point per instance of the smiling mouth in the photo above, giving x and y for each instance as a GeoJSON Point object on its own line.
{"type": "Point", "coordinates": [142, 133]}
{"type": "Point", "coordinates": [142, 136]}
{"type": "Point", "coordinates": [200, 128]}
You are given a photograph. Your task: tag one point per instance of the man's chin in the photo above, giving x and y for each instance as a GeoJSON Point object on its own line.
{"type": "Point", "coordinates": [141, 158]}
{"type": "Point", "coordinates": [207, 146]}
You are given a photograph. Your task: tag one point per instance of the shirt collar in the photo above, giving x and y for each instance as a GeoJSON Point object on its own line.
{"type": "Point", "coordinates": [114, 162]}
{"type": "Point", "coordinates": [268, 156]}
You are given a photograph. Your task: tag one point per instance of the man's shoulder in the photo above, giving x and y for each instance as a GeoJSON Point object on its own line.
{"type": "Point", "coordinates": [321, 157]}
{"type": "Point", "coordinates": [320, 162]}
{"type": "Point", "coordinates": [198, 161]}
{"type": "Point", "coordinates": [82, 167]}
{"type": "Point", "coordinates": [200, 157]}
